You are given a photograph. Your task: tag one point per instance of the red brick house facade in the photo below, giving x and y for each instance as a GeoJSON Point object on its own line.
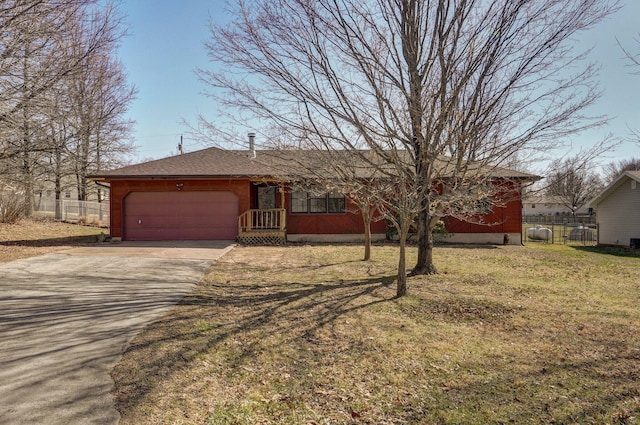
{"type": "Point", "coordinates": [219, 194]}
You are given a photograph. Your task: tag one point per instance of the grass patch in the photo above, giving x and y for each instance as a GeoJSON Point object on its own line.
{"type": "Point", "coordinates": [311, 334]}
{"type": "Point", "coordinates": [31, 237]}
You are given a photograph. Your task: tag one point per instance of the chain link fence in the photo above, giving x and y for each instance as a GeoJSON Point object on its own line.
{"type": "Point", "coordinates": [570, 232]}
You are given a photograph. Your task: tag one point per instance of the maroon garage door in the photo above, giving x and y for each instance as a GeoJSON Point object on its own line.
{"type": "Point", "coordinates": [153, 216]}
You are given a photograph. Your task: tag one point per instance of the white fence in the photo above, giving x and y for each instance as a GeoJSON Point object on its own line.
{"type": "Point", "coordinates": [76, 211]}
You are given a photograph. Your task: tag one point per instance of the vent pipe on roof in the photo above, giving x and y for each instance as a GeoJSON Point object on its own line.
{"type": "Point", "coordinates": [252, 145]}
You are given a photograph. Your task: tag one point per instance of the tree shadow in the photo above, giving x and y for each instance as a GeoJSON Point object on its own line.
{"type": "Point", "coordinates": [553, 390]}
{"type": "Point", "coordinates": [466, 246]}
{"type": "Point", "coordinates": [293, 310]}
{"type": "Point", "coordinates": [55, 327]}
{"type": "Point", "coordinates": [70, 240]}
{"type": "Point", "coordinates": [605, 250]}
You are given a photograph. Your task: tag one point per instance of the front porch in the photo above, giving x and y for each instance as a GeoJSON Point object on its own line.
{"type": "Point", "coordinates": [262, 227]}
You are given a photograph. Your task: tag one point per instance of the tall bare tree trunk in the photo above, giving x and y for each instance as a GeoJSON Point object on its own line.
{"type": "Point", "coordinates": [401, 288]}
{"type": "Point", "coordinates": [58, 181]}
{"type": "Point", "coordinates": [367, 234]}
{"type": "Point", "coordinates": [424, 263]}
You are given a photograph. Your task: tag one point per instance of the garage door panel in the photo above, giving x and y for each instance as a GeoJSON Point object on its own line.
{"type": "Point", "coordinates": [180, 215]}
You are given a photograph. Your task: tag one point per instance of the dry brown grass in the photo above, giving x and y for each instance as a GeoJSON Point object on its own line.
{"type": "Point", "coordinates": [312, 335]}
{"type": "Point", "coordinates": [29, 238]}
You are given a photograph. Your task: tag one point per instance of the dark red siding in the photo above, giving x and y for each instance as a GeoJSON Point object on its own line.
{"type": "Point", "coordinates": [505, 219]}
{"type": "Point", "coordinates": [502, 219]}
{"type": "Point", "coordinates": [348, 223]}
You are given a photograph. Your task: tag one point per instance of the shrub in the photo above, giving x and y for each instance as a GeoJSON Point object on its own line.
{"type": "Point", "coordinates": [11, 204]}
{"type": "Point", "coordinates": [440, 232]}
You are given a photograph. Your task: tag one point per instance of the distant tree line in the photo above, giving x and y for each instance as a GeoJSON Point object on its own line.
{"type": "Point", "coordinates": [63, 95]}
{"type": "Point", "coordinates": [574, 181]}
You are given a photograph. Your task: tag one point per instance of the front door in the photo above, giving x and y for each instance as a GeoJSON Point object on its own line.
{"type": "Point", "coordinates": [266, 197]}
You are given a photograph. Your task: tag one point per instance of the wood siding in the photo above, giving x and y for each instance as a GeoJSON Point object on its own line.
{"type": "Point", "coordinates": [619, 215]}
{"type": "Point", "coordinates": [507, 219]}
{"type": "Point", "coordinates": [502, 219]}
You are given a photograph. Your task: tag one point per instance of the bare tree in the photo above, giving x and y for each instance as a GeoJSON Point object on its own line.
{"type": "Point", "coordinates": [59, 133]}
{"type": "Point", "coordinates": [99, 95]}
{"type": "Point", "coordinates": [373, 183]}
{"type": "Point", "coordinates": [31, 62]}
{"type": "Point", "coordinates": [327, 171]}
{"type": "Point", "coordinates": [633, 60]}
{"type": "Point", "coordinates": [45, 47]}
{"type": "Point", "coordinates": [28, 65]}
{"type": "Point", "coordinates": [573, 182]}
{"type": "Point", "coordinates": [441, 91]}
{"type": "Point", "coordinates": [613, 170]}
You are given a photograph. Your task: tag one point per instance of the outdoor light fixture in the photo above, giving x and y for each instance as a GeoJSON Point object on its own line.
{"type": "Point", "coordinates": [179, 186]}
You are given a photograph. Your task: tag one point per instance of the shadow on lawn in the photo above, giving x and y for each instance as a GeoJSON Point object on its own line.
{"type": "Point", "coordinates": [217, 313]}
{"type": "Point", "coordinates": [618, 252]}
{"type": "Point", "coordinates": [466, 246]}
{"type": "Point", "coordinates": [71, 240]}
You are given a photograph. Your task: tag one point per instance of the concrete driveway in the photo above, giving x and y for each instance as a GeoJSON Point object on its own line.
{"type": "Point", "coordinates": [66, 319]}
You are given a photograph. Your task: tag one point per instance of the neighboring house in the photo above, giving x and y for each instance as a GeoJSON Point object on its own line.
{"type": "Point", "coordinates": [618, 211]}
{"type": "Point", "coordinates": [221, 194]}
{"type": "Point", "coordinates": [549, 206]}
{"type": "Point", "coordinates": [45, 196]}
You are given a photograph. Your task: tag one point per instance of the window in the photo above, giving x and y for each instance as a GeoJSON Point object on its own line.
{"type": "Point", "coordinates": [67, 194]}
{"type": "Point", "coordinates": [318, 203]}
{"type": "Point", "coordinates": [336, 202]}
{"type": "Point", "coordinates": [299, 202]}
{"type": "Point", "coordinates": [304, 202]}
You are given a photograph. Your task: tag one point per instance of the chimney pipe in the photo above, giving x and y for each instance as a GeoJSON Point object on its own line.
{"type": "Point", "coordinates": [252, 145]}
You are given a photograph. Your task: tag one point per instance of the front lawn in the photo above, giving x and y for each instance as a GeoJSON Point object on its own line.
{"type": "Point", "coordinates": [31, 237]}
{"type": "Point", "coordinates": [313, 335]}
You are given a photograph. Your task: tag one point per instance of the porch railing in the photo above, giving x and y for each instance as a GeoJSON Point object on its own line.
{"type": "Point", "coordinates": [272, 219]}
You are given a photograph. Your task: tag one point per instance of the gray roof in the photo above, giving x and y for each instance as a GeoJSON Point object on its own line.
{"type": "Point", "coordinates": [211, 162]}
{"type": "Point", "coordinates": [216, 162]}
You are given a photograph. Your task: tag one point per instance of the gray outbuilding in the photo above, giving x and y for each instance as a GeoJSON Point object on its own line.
{"type": "Point", "coordinates": [618, 211]}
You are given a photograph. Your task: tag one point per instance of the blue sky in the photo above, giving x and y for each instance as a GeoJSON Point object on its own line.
{"type": "Point", "coordinates": [166, 44]}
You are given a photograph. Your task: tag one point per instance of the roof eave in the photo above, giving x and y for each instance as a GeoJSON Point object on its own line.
{"type": "Point", "coordinates": [177, 176]}
{"type": "Point", "coordinates": [612, 187]}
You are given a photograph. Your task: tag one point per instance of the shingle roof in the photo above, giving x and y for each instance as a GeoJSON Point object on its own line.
{"type": "Point", "coordinates": [216, 162]}
{"type": "Point", "coordinates": [211, 162]}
